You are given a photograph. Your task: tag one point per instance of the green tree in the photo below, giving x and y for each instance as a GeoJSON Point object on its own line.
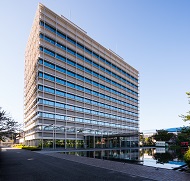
{"type": "Point", "coordinates": [149, 141]}
{"type": "Point", "coordinates": [142, 139]}
{"type": "Point", "coordinates": [163, 157]}
{"type": "Point", "coordinates": [187, 158]}
{"type": "Point", "coordinates": [184, 135]}
{"type": "Point", "coordinates": [7, 125]}
{"type": "Point", "coordinates": [162, 135]}
{"type": "Point", "coordinates": [187, 116]}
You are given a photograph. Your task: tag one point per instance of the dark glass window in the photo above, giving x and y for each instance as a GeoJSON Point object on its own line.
{"type": "Point", "coordinates": [88, 80]}
{"type": "Point", "coordinates": [87, 60]}
{"type": "Point", "coordinates": [80, 77]}
{"type": "Point", "coordinates": [49, 52]}
{"type": "Point", "coordinates": [61, 46]}
{"type": "Point", "coordinates": [70, 84]}
{"type": "Point", "coordinates": [80, 56]}
{"type": "Point", "coordinates": [71, 51]}
{"type": "Point", "coordinates": [88, 90]}
{"type": "Point", "coordinates": [80, 67]}
{"type": "Point", "coordinates": [95, 55]}
{"type": "Point", "coordinates": [41, 48]}
{"type": "Point", "coordinates": [61, 34]}
{"type": "Point", "coordinates": [71, 40]}
{"type": "Point", "coordinates": [60, 93]}
{"type": "Point", "coordinates": [40, 74]}
{"type": "Point", "coordinates": [60, 57]}
{"type": "Point", "coordinates": [49, 65]}
{"type": "Point", "coordinates": [70, 73]}
{"type": "Point", "coordinates": [88, 51]}
{"type": "Point", "coordinates": [40, 87]}
{"type": "Point", "coordinates": [50, 28]}
{"type": "Point", "coordinates": [88, 70]}
{"type": "Point", "coordinates": [41, 23]}
{"type": "Point", "coordinates": [40, 61]}
{"type": "Point", "coordinates": [60, 81]}
{"type": "Point", "coordinates": [49, 77]}
{"type": "Point", "coordinates": [71, 62]}
{"type": "Point", "coordinates": [80, 46]}
{"type": "Point", "coordinates": [60, 69]}
{"type": "Point", "coordinates": [80, 87]}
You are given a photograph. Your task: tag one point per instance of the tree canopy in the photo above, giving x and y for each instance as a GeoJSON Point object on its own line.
{"type": "Point", "coordinates": [162, 135]}
{"type": "Point", "coordinates": [7, 125]}
{"type": "Point", "coordinates": [187, 116]}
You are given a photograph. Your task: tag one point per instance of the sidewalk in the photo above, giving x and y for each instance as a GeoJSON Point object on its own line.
{"type": "Point", "coordinates": [131, 169]}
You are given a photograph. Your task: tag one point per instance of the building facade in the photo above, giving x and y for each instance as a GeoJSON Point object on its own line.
{"type": "Point", "coordinates": [77, 93]}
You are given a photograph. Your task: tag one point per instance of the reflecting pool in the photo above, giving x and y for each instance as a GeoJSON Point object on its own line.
{"type": "Point", "coordinates": [155, 157]}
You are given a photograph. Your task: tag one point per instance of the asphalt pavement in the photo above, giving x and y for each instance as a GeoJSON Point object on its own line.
{"type": "Point", "coordinates": [24, 165]}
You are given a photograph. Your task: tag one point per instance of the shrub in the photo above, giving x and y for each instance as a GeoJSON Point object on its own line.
{"type": "Point", "coordinates": [187, 158]}
{"type": "Point", "coordinates": [18, 145]}
{"type": "Point", "coordinates": [31, 148]}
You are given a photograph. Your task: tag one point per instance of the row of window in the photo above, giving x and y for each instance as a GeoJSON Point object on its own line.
{"type": "Point", "coordinates": [84, 59]}
{"type": "Point", "coordinates": [73, 130]}
{"type": "Point", "coordinates": [85, 121]}
{"type": "Point", "coordinates": [84, 110]}
{"type": "Point", "coordinates": [81, 88]}
{"type": "Point", "coordinates": [63, 70]}
{"type": "Point", "coordinates": [62, 35]}
{"type": "Point", "coordinates": [89, 101]}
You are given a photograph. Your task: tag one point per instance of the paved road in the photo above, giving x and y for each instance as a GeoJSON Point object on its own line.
{"type": "Point", "coordinates": [23, 165]}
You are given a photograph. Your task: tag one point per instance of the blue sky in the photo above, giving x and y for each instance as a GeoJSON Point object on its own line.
{"type": "Point", "coordinates": [152, 36]}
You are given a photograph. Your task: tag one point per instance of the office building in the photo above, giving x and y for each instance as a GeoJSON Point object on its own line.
{"type": "Point", "coordinates": [77, 93]}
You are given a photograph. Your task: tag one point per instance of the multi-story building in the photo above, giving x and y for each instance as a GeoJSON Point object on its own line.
{"type": "Point", "coordinates": [77, 92]}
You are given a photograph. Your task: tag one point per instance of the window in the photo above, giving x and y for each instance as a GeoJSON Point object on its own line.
{"type": "Point", "coordinates": [88, 90]}
{"type": "Point", "coordinates": [88, 80]}
{"type": "Point", "coordinates": [60, 57]}
{"type": "Point", "coordinates": [60, 93]}
{"type": "Point", "coordinates": [70, 73]}
{"type": "Point", "coordinates": [87, 60]}
{"type": "Point", "coordinates": [40, 74]}
{"type": "Point", "coordinates": [60, 69]}
{"type": "Point", "coordinates": [79, 98]}
{"type": "Point", "coordinates": [71, 40]}
{"type": "Point", "coordinates": [88, 51]}
{"type": "Point", "coordinates": [95, 74]}
{"type": "Point", "coordinates": [49, 65]}
{"type": "Point", "coordinates": [49, 40]}
{"type": "Point", "coordinates": [88, 70]}
{"type": "Point", "coordinates": [79, 77]}
{"type": "Point", "coordinates": [46, 89]}
{"type": "Point", "coordinates": [49, 77]}
{"type": "Point", "coordinates": [79, 87]}
{"type": "Point", "coordinates": [70, 96]}
{"type": "Point", "coordinates": [95, 55]}
{"type": "Point", "coordinates": [71, 51]}
{"type": "Point", "coordinates": [61, 34]}
{"type": "Point", "coordinates": [71, 62]}
{"type": "Point", "coordinates": [80, 67]}
{"type": "Point", "coordinates": [95, 84]}
{"type": "Point", "coordinates": [70, 84]}
{"type": "Point", "coordinates": [50, 28]}
{"type": "Point", "coordinates": [60, 81]}
{"type": "Point", "coordinates": [80, 56]}
{"type": "Point", "coordinates": [49, 52]}
{"type": "Point", "coordinates": [40, 87]}
{"type": "Point", "coordinates": [80, 46]}
{"type": "Point", "coordinates": [61, 46]}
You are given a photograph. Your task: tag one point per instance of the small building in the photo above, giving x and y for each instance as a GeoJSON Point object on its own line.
{"type": "Point", "coordinates": [161, 143]}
